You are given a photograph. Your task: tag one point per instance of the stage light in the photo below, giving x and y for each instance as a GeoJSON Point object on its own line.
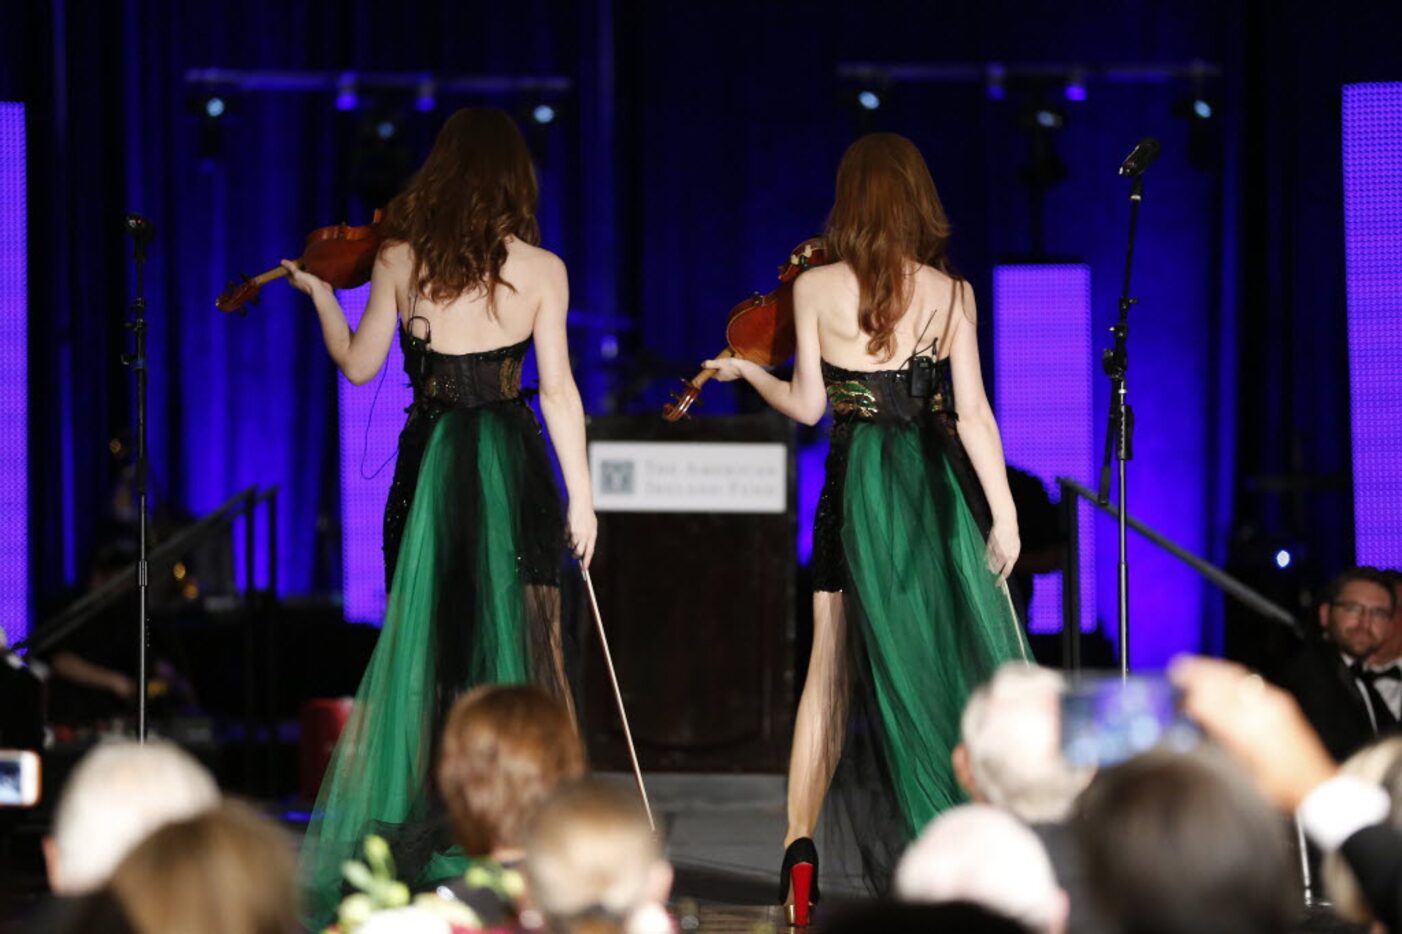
{"type": "Point", "coordinates": [1076, 86]}
{"type": "Point", "coordinates": [996, 82]}
{"type": "Point", "coordinates": [868, 100]}
{"type": "Point", "coordinates": [1048, 119]}
{"type": "Point", "coordinates": [1043, 383]}
{"type": "Point", "coordinates": [543, 114]}
{"type": "Point", "coordinates": [608, 347]}
{"type": "Point", "coordinates": [386, 129]}
{"type": "Point", "coordinates": [1202, 109]}
{"type": "Point", "coordinates": [1283, 559]}
{"type": "Point", "coordinates": [346, 96]}
{"type": "Point", "coordinates": [214, 106]}
{"type": "Point", "coordinates": [424, 99]}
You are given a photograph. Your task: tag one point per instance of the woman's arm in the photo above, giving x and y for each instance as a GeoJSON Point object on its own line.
{"type": "Point", "coordinates": [803, 398]}
{"type": "Point", "coordinates": [562, 408]}
{"type": "Point", "coordinates": [361, 352]}
{"type": "Point", "coordinates": [979, 432]}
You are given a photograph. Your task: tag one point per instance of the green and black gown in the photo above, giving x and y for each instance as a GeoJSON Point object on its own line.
{"type": "Point", "coordinates": [474, 536]}
{"type": "Point", "coordinates": [901, 532]}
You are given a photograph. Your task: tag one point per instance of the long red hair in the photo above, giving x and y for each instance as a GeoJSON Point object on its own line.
{"type": "Point", "coordinates": [886, 215]}
{"type": "Point", "coordinates": [476, 188]}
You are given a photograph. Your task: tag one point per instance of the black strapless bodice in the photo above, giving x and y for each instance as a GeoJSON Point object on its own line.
{"type": "Point", "coordinates": [462, 381]}
{"type": "Point", "coordinates": [884, 395]}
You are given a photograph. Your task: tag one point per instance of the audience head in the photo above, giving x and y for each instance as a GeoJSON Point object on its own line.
{"type": "Point", "coordinates": [1175, 843]}
{"type": "Point", "coordinates": [226, 871]}
{"type": "Point", "coordinates": [505, 748]}
{"type": "Point", "coordinates": [1380, 764]}
{"type": "Point", "coordinates": [1009, 753]}
{"type": "Point", "coordinates": [981, 855]}
{"type": "Point", "coordinates": [115, 798]}
{"type": "Point", "coordinates": [1390, 650]}
{"type": "Point", "coordinates": [593, 863]}
{"type": "Point", "coordinates": [1356, 614]}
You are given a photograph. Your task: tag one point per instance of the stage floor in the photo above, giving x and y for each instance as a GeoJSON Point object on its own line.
{"type": "Point", "coordinates": [724, 835]}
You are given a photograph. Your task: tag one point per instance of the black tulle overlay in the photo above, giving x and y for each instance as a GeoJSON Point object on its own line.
{"type": "Point", "coordinates": [475, 532]}
{"type": "Point", "coordinates": [902, 533]}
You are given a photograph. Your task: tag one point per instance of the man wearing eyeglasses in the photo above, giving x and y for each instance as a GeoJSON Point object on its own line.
{"type": "Point", "coordinates": [1330, 676]}
{"type": "Point", "coordinates": [1386, 661]}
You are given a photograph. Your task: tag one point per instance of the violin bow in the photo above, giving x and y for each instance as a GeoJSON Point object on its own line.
{"type": "Point", "coordinates": [617, 695]}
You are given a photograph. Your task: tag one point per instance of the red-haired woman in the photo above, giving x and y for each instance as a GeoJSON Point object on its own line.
{"type": "Point", "coordinates": [474, 530]}
{"type": "Point", "coordinates": [915, 532]}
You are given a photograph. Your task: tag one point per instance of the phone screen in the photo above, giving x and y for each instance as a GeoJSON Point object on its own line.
{"type": "Point", "coordinates": [1106, 719]}
{"type": "Point", "coordinates": [11, 781]}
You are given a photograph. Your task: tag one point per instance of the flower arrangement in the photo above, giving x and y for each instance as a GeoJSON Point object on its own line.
{"type": "Point", "coordinates": [382, 903]}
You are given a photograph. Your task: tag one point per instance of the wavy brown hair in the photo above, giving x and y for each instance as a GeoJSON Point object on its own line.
{"type": "Point", "coordinates": [505, 748]}
{"type": "Point", "coordinates": [476, 188]}
{"type": "Point", "coordinates": [886, 215]}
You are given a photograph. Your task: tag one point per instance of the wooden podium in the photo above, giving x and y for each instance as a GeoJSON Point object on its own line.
{"type": "Point", "coordinates": [694, 573]}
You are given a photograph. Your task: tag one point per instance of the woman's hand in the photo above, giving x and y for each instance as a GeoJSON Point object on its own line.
{"type": "Point", "coordinates": [1003, 549]}
{"type": "Point", "coordinates": [727, 368]}
{"type": "Point", "coordinates": [303, 281]}
{"type": "Point", "coordinates": [584, 530]}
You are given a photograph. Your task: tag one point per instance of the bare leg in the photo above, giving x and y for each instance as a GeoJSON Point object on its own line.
{"type": "Point", "coordinates": [822, 712]}
{"type": "Point", "coordinates": [546, 600]}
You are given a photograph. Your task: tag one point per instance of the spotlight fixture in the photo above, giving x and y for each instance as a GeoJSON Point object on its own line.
{"type": "Point", "coordinates": [425, 99]}
{"type": "Point", "coordinates": [868, 99]}
{"type": "Point", "coordinates": [214, 107]}
{"type": "Point", "coordinates": [386, 130]}
{"type": "Point", "coordinates": [1283, 559]}
{"type": "Point", "coordinates": [1048, 119]}
{"type": "Point", "coordinates": [995, 82]}
{"type": "Point", "coordinates": [346, 96]}
{"type": "Point", "coordinates": [1075, 89]}
{"type": "Point", "coordinates": [543, 114]}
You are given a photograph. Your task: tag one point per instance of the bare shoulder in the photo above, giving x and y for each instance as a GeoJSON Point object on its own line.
{"type": "Point", "coordinates": [396, 256]}
{"type": "Point", "coordinates": [536, 262]}
{"type": "Point", "coordinates": [958, 291]}
{"type": "Point", "coordinates": [823, 282]}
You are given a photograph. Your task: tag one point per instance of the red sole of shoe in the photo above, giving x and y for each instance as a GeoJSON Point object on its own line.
{"type": "Point", "coordinates": [801, 887]}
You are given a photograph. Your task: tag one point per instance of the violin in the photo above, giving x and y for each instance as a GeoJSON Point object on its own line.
{"type": "Point", "coordinates": [760, 328]}
{"type": "Point", "coordinates": [342, 255]}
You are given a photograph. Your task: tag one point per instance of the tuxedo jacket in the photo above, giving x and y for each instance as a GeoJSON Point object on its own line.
{"type": "Point", "coordinates": [1375, 856]}
{"type": "Point", "coordinates": [1330, 698]}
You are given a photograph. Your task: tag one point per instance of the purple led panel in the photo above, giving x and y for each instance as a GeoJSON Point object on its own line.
{"type": "Point", "coordinates": [1042, 354]}
{"type": "Point", "coordinates": [1373, 256]}
{"type": "Point", "coordinates": [368, 444]}
{"type": "Point", "coordinates": [14, 380]}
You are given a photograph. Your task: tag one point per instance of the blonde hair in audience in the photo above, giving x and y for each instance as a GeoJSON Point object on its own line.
{"type": "Point", "coordinates": [228, 871]}
{"type": "Point", "coordinates": [119, 794]}
{"type": "Point", "coordinates": [592, 861]}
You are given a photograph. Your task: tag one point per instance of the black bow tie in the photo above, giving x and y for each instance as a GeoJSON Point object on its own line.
{"type": "Point", "coordinates": [1370, 675]}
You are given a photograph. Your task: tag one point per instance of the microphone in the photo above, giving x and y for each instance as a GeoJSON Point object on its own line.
{"type": "Point", "coordinates": [1144, 153]}
{"type": "Point", "coordinates": [141, 229]}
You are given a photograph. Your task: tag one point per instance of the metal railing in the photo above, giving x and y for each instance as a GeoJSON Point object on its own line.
{"type": "Point", "coordinates": [1071, 495]}
{"type": "Point", "coordinates": [259, 607]}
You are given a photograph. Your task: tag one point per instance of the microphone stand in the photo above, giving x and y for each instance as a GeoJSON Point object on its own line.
{"type": "Point", "coordinates": [1119, 435]}
{"type": "Point", "coordinates": [142, 232]}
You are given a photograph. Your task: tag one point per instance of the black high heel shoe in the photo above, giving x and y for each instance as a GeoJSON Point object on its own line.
{"type": "Point", "coordinates": [799, 873]}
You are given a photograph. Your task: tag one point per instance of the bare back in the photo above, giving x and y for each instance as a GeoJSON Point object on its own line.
{"type": "Point", "coordinates": [834, 293]}
{"type": "Point", "coordinates": [464, 324]}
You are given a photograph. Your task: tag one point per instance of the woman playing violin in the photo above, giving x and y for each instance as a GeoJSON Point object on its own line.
{"type": "Point", "coordinates": [474, 530]}
{"type": "Point", "coordinates": [915, 532]}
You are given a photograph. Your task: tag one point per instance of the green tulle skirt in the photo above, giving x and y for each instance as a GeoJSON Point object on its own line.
{"type": "Point", "coordinates": [926, 622]}
{"type": "Point", "coordinates": [473, 600]}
